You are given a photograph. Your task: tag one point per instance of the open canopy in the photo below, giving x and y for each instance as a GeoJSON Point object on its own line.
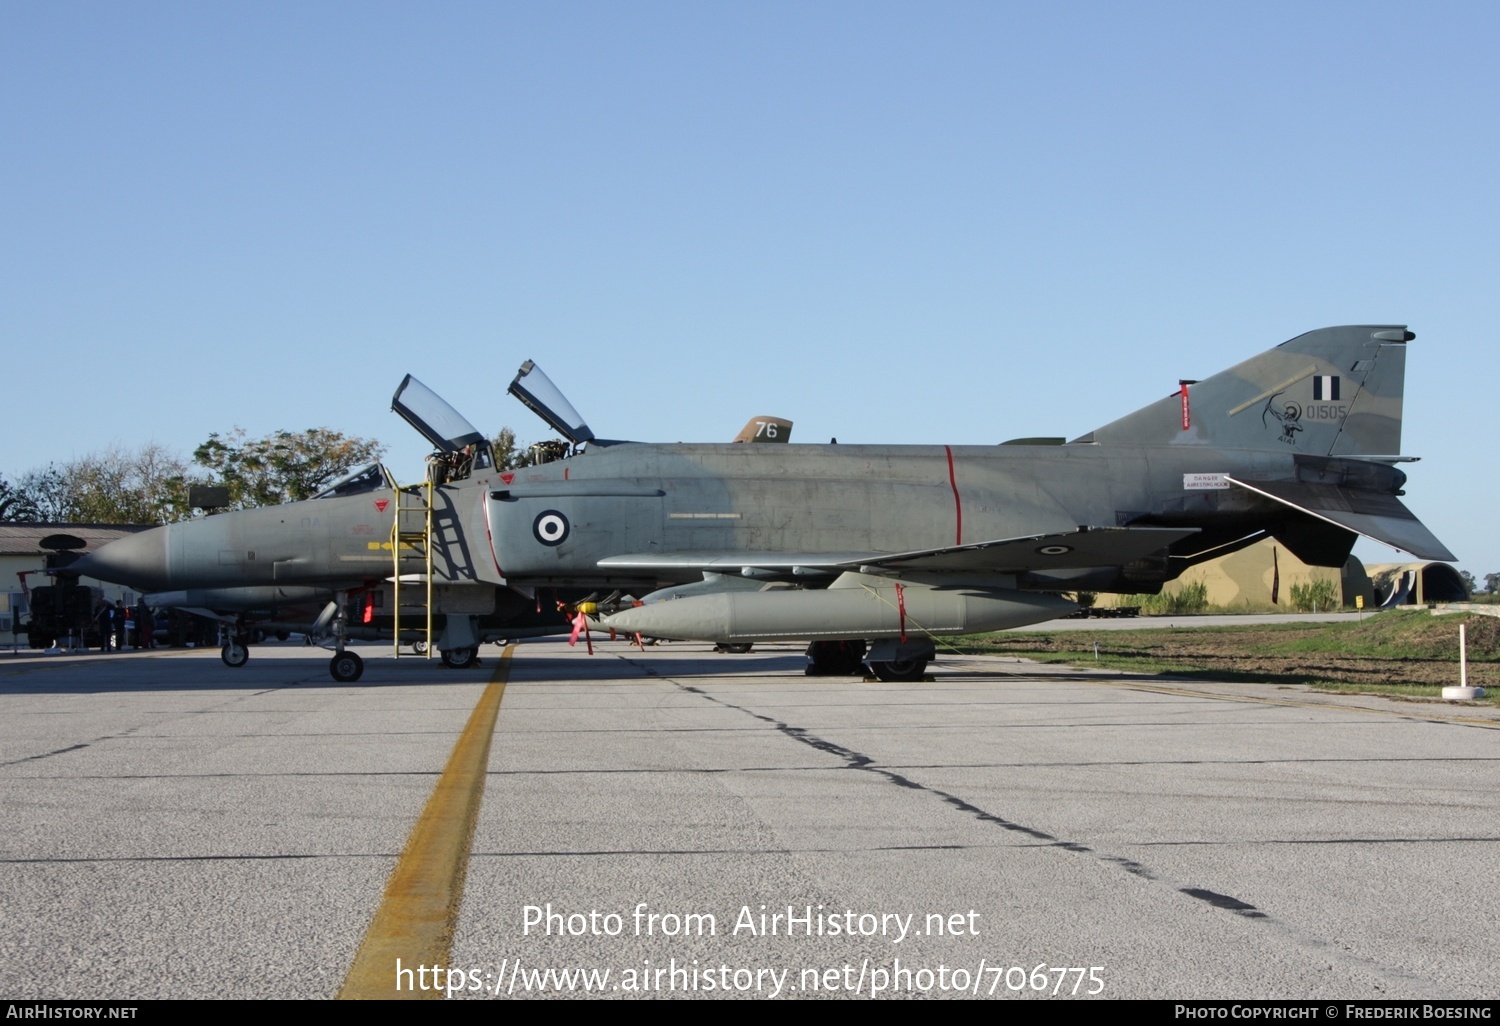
{"type": "Point", "coordinates": [542, 397]}
{"type": "Point", "coordinates": [433, 418]}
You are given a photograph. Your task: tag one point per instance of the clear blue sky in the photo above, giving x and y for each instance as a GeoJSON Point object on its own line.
{"type": "Point", "coordinates": [941, 222]}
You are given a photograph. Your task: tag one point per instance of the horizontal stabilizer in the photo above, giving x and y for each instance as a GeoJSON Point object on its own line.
{"type": "Point", "coordinates": [1373, 514]}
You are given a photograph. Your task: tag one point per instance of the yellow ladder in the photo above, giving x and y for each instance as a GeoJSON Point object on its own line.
{"type": "Point", "coordinates": [411, 528]}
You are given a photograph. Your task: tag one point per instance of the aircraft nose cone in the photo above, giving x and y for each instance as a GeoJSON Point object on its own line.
{"type": "Point", "coordinates": [138, 561]}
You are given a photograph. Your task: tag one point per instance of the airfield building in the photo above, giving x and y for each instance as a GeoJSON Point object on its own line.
{"type": "Point", "coordinates": [28, 554]}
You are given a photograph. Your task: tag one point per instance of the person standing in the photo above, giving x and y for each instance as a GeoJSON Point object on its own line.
{"type": "Point", "coordinates": [145, 626]}
{"type": "Point", "coordinates": [104, 618]}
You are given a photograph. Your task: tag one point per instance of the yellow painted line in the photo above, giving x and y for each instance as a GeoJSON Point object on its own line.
{"type": "Point", "coordinates": [416, 918]}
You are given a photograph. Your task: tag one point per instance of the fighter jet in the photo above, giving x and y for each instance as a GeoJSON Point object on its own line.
{"type": "Point", "coordinates": [869, 552]}
{"type": "Point", "coordinates": [337, 590]}
{"type": "Point", "coordinates": [348, 552]}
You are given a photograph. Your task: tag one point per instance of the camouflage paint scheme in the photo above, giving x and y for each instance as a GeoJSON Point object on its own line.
{"type": "Point", "coordinates": [741, 542]}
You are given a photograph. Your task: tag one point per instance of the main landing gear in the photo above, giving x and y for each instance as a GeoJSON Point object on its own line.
{"type": "Point", "coordinates": [900, 670]}
{"type": "Point", "coordinates": [904, 662]}
{"type": "Point", "coordinates": [457, 658]}
{"type": "Point", "coordinates": [835, 658]}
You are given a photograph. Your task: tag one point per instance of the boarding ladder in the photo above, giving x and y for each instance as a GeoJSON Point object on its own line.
{"type": "Point", "coordinates": [411, 535]}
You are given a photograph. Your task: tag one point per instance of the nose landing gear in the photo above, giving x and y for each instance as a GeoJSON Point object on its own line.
{"type": "Point", "coordinates": [345, 667]}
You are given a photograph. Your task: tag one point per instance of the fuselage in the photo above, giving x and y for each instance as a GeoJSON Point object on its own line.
{"type": "Point", "coordinates": [576, 521]}
{"type": "Point", "coordinates": [562, 523]}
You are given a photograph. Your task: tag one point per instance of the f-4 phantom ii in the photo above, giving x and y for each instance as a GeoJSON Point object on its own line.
{"type": "Point", "coordinates": [866, 551]}
{"type": "Point", "coordinates": [317, 566]}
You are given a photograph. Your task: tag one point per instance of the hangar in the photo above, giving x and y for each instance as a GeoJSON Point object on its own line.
{"type": "Point", "coordinates": [1417, 584]}
{"type": "Point", "coordinates": [1249, 580]}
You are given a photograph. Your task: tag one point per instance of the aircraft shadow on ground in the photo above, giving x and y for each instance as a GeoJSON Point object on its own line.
{"type": "Point", "coordinates": [124, 673]}
{"type": "Point", "coordinates": [269, 671]}
{"type": "Point", "coordinates": [635, 665]}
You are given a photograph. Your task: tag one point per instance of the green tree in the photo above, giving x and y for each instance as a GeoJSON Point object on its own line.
{"type": "Point", "coordinates": [509, 453]}
{"type": "Point", "coordinates": [1492, 584]}
{"type": "Point", "coordinates": [112, 486]}
{"type": "Point", "coordinates": [284, 466]}
{"type": "Point", "coordinates": [47, 487]}
{"type": "Point", "coordinates": [16, 506]}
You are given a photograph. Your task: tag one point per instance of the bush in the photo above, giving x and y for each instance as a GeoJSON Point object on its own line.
{"type": "Point", "coordinates": [1190, 598]}
{"type": "Point", "coordinates": [1319, 596]}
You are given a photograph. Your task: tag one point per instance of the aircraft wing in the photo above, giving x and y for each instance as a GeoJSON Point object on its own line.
{"type": "Point", "coordinates": [1086, 547]}
{"type": "Point", "coordinates": [1373, 514]}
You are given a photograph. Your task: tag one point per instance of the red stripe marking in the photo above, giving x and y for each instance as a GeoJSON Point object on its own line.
{"type": "Point", "coordinates": [491, 538]}
{"type": "Point", "coordinates": [958, 506]}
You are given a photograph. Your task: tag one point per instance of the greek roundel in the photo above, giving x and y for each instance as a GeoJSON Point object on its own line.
{"type": "Point", "coordinates": [550, 527]}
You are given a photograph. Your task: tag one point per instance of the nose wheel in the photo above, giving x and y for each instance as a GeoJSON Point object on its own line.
{"type": "Point", "coordinates": [346, 667]}
{"type": "Point", "coordinates": [234, 654]}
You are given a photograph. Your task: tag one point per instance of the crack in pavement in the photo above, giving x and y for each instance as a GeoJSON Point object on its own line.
{"type": "Point", "coordinates": [860, 762]}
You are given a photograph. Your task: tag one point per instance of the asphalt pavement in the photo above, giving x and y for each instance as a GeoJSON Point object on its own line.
{"type": "Point", "coordinates": [673, 822]}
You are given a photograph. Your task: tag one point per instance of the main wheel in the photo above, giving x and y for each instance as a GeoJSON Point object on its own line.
{"type": "Point", "coordinates": [346, 667]}
{"type": "Point", "coordinates": [835, 658]}
{"type": "Point", "coordinates": [733, 648]}
{"type": "Point", "coordinates": [901, 670]}
{"type": "Point", "coordinates": [234, 654]}
{"type": "Point", "coordinates": [458, 657]}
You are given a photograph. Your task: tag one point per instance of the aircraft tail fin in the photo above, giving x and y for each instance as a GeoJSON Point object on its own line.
{"type": "Point", "coordinates": [1330, 392]}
